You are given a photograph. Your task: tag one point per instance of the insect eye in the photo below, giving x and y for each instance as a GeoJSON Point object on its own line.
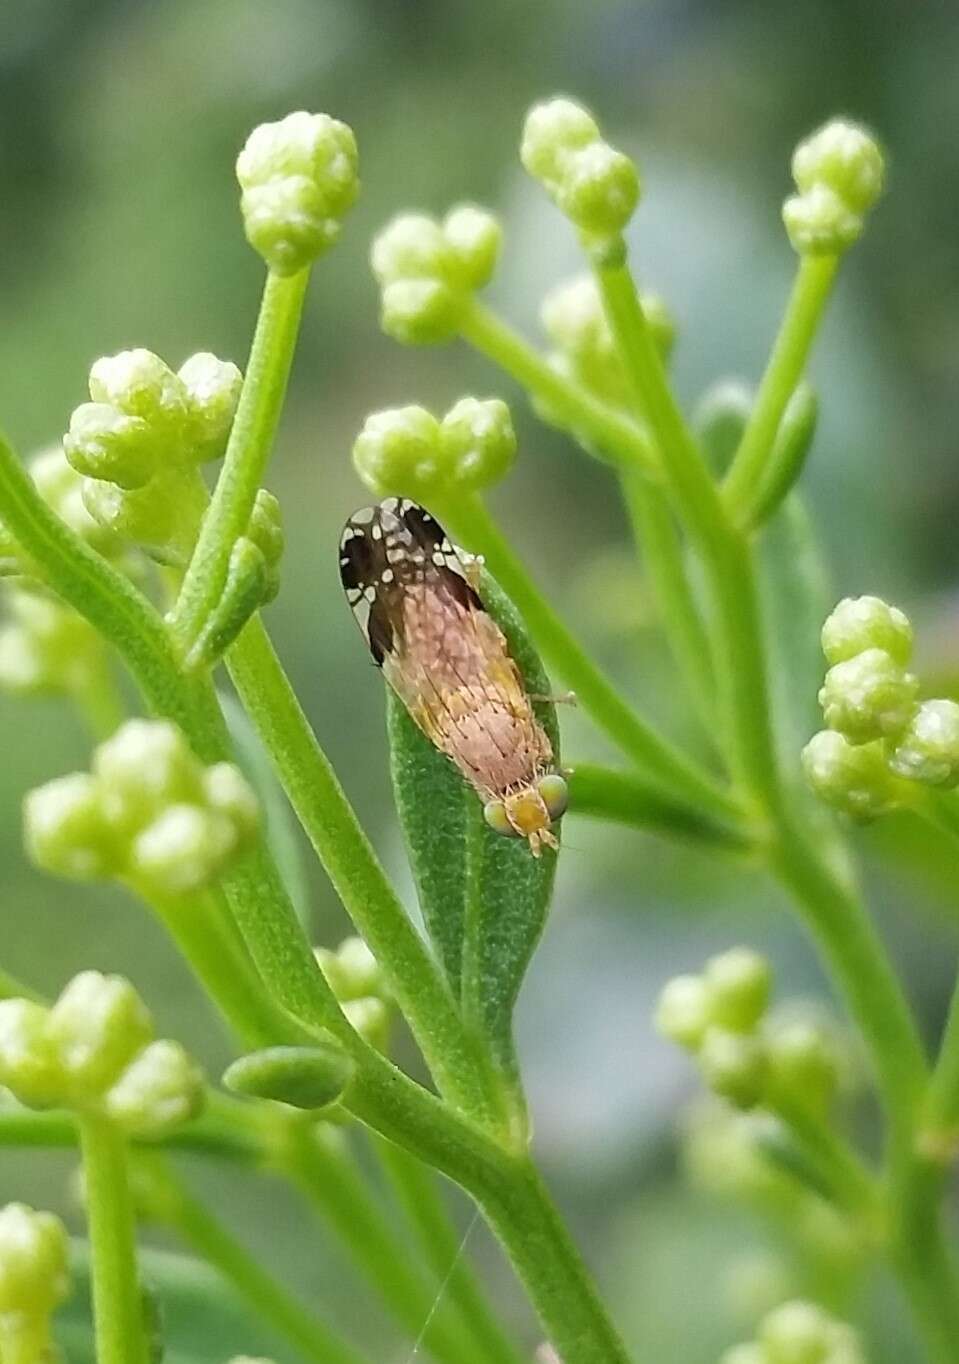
{"type": "Point", "coordinates": [494, 812]}
{"type": "Point", "coordinates": [554, 793]}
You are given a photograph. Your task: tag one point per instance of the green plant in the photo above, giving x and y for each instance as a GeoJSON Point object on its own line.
{"type": "Point", "coordinates": [118, 542]}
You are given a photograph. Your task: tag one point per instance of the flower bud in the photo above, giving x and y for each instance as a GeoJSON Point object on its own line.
{"type": "Point", "coordinates": [796, 1333]}
{"type": "Point", "coordinates": [398, 450]}
{"type": "Point", "coordinates": [182, 850]}
{"type": "Point", "coordinates": [476, 237]}
{"type": "Point", "coordinates": [371, 1019]}
{"type": "Point", "coordinates": [104, 443]}
{"type": "Point", "coordinates": [145, 767]}
{"type": "Point", "coordinates": [34, 1278]}
{"type": "Point", "coordinates": [61, 487]}
{"type": "Point", "coordinates": [160, 1089]}
{"type": "Point", "coordinates": [299, 178]}
{"type": "Point", "coordinates": [66, 831]}
{"type": "Point", "coordinates": [594, 185]}
{"type": "Point", "coordinates": [719, 420]}
{"type": "Point", "coordinates": [868, 697]}
{"type": "Point", "coordinates": [852, 778]}
{"type": "Point", "coordinates": [139, 384]}
{"type": "Point", "coordinates": [98, 1025]}
{"type": "Point", "coordinates": [573, 318]}
{"type": "Point", "coordinates": [477, 443]}
{"type": "Point", "coordinates": [860, 623]}
{"type": "Point", "coordinates": [928, 750]}
{"type": "Point", "coordinates": [733, 1066]}
{"type": "Point", "coordinates": [48, 648]}
{"type": "Point", "coordinates": [227, 792]}
{"type": "Point", "coordinates": [352, 972]}
{"type": "Point", "coordinates": [683, 1011]}
{"type": "Point", "coordinates": [738, 984]}
{"type": "Point", "coordinates": [749, 1353]}
{"type": "Point", "coordinates": [29, 1061]}
{"type": "Point", "coordinates": [803, 1066]}
{"type": "Point", "coordinates": [212, 390]}
{"type": "Point", "coordinates": [266, 532]}
{"type": "Point", "coordinates": [152, 517]}
{"type": "Point", "coordinates": [839, 173]}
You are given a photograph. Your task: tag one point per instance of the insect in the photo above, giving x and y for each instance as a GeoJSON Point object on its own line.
{"type": "Point", "coordinates": [449, 663]}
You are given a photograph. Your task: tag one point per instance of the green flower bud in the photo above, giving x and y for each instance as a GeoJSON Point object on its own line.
{"type": "Point", "coordinates": [722, 1153]}
{"type": "Point", "coordinates": [573, 318]}
{"type": "Point", "coordinates": [299, 177]}
{"type": "Point", "coordinates": [34, 1278]}
{"type": "Point", "coordinates": [733, 1066]}
{"type": "Point", "coordinates": [228, 793]}
{"type": "Point", "coordinates": [160, 517]}
{"type": "Point", "coordinates": [161, 1088]}
{"type": "Point", "coordinates": [803, 1065]}
{"type": "Point", "coordinates": [845, 157]}
{"type": "Point", "coordinates": [398, 450]}
{"type": "Point", "coordinates": [861, 623]}
{"type": "Point", "coordinates": [750, 1353]}
{"type": "Point", "coordinates": [212, 390]}
{"type": "Point", "coordinates": [661, 323]}
{"type": "Point", "coordinates": [738, 984]}
{"type": "Point", "coordinates": [104, 443]}
{"type": "Point", "coordinates": [928, 750]}
{"type": "Point", "coordinates": [868, 697]}
{"type": "Point", "coordinates": [852, 778]}
{"type": "Point", "coordinates": [251, 582]}
{"type": "Point", "coordinates": [301, 1077]}
{"type": "Point", "coordinates": [477, 443]}
{"type": "Point", "coordinates": [61, 487]}
{"type": "Point", "coordinates": [839, 173]}
{"type": "Point", "coordinates": [594, 185]}
{"type": "Point", "coordinates": [796, 1333]}
{"type": "Point", "coordinates": [476, 238]}
{"type": "Point", "coordinates": [145, 767]}
{"type": "Point", "coordinates": [139, 384]}
{"type": "Point", "coordinates": [352, 972]}
{"type": "Point", "coordinates": [683, 1011]}
{"type": "Point", "coordinates": [66, 830]}
{"type": "Point", "coordinates": [99, 1024]}
{"type": "Point", "coordinates": [29, 1061]}
{"type": "Point", "coordinates": [425, 280]}
{"type": "Point", "coordinates": [266, 532]}
{"type": "Point", "coordinates": [48, 648]}
{"type": "Point", "coordinates": [719, 420]}
{"type": "Point", "coordinates": [371, 1019]}
{"type": "Point", "coordinates": [182, 851]}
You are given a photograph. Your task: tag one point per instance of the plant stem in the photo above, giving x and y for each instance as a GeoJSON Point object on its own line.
{"type": "Point", "coordinates": [940, 1120]}
{"type": "Point", "coordinates": [661, 550]}
{"type": "Point", "coordinates": [628, 798]}
{"type": "Point", "coordinates": [207, 1135]}
{"type": "Point", "coordinates": [217, 1245]}
{"type": "Point", "coordinates": [614, 437]}
{"type": "Point", "coordinates": [247, 452]}
{"type": "Point", "coordinates": [850, 1182]}
{"type": "Point", "coordinates": [813, 285]}
{"type": "Point", "coordinates": [470, 522]}
{"type": "Point", "coordinates": [352, 866]}
{"type": "Point", "coordinates": [415, 1187]}
{"type": "Point", "coordinates": [11, 988]}
{"type": "Point", "coordinates": [117, 1304]}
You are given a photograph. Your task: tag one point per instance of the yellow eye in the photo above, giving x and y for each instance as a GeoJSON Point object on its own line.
{"type": "Point", "coordinates": [494, 812]}
{"type": "Point", "coordinates": [554, 794]}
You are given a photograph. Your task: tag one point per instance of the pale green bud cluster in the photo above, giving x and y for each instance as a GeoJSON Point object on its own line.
{"type": "Point", "coordinates": [46, 648]}
{"type": "Point", "coordinates": [405, 450]}
{"type": "Point", "coordinates": [149, 813]}
{"type": "Point", "coordinates": [34, 1280]}
{"type": "Point", "coordinates": [879, 736]}
{"type": "Point", "coordinates": [593, 184]}
{"type": "Point", "coordinates": [356, 979]}
{"type": "Point", "coordinates": [299, 177]}
{"type": "Point", "coordinates": [94, 1051]}
{"type": "Point", "coordinates": [428, 271]}
{"type": "Point", "coordinates": [61, 487]}
{"type": "Point", "coordinates": [138, 441]}
{"type": "Point", "coordinates": [745, 1056]}
{"type": "Point", "coordinates": [799, 1332]}
{"type": "Point", "coordinates": [839, 173]}
{"type": "Point", "coordinates": [252, 581]}
{"type": "Point", "coordinates": [573, 318]}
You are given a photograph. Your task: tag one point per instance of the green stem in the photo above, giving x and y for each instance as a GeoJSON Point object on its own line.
{"type": "Point", "coordinates": [217, 1245]}
{"type": "Point", "coordinates": [470, 522]}
{"type": "Point", "coordinates": [352, 866]}
{"type": "Point", "coordinates": [627, 798]}
{"type": "Point", "coordinates": [117, 1303]}
{"type": "Point", "coordinates": [850, 1182]}
{"type": "Point", "coordinates": [210, 1134]}
{"type": "Point", "coordinates": [522, 1214]}
{"type": "Point", "coordinates": [330, 1181]}
{"type": "Point", "coordinates": [11, 988]}
{"type": "Point", "coordinates": [442, 1246]}
{"type": "Point", "coordinates": [810, 294]}
{"type": "Point", "coordinates": [939, 1134]}
{"type": "Point", "coordinates": [661, 550]}
{"type": "Point", "coordinates": [247, 452]}
{"type": "Point", "coordinates": [604, 430]}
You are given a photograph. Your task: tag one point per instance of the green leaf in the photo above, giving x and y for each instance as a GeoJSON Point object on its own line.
{"type": "Point", "coordinates": [484, 897]}
{"type": "Point", "coordinates": [303, 1077]}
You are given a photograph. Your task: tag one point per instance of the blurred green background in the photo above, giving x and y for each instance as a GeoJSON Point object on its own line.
{"type": "Point", "coordinates": [119, 124]}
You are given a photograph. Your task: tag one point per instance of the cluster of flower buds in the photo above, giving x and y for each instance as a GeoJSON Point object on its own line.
{"type": "Point", "coordinates": [799, 1332]}
{"type": "Point", "coordinates": [149, 814]}
{"type": "Point", "coordinates": [34, 1280]}
{"type": "Point", "coordinates": [139, 440]}
{"type": "Point", "coordinates": [746, 1056]}
{"type": "Point", "coordinates": [405, 450]}
{"type": "Point", "coordinates": [593, 184]}
{"type": "Point", "coordinates": [47, 648]}
{"type": "Point", "coordinates": [356, 979]}
{"type": "Point", "coordinates": [299, 177]}
{"type": "Point", "coordinates": [839, 173]}
{"type": "Point", "coordinates": [879, 737]}
{"type": "Point", "coordinates": [575, 322]}
{"type": "Point", "coordinates": [94, 1051]}
{"type": "Point", "coordinates": [428, 271]}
